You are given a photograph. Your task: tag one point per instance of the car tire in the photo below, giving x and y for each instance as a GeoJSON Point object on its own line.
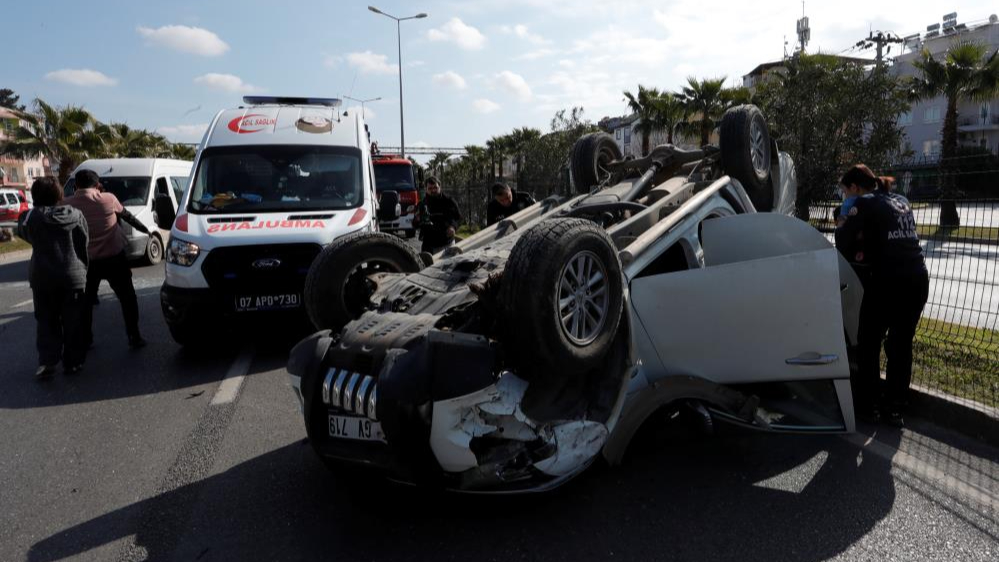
{"type": "Point", "coordinates": [586, 162]}
{"type": "Point", "coordinates": [545, 334]}
{"type": "Point", "coordinates": [337, 289]}
{"type": "Point", "coordinates": [154, 250]}
{"type": "Point", "coordinates": [746, 153]}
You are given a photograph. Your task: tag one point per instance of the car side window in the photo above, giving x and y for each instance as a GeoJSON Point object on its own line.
{"type": "Point", "coordinates": [178, 183]}
{"type": "Point", "coordinates": [673, 259]}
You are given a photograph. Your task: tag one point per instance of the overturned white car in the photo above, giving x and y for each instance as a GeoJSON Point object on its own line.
{"type": "Point", "coordinates": [514, 359]}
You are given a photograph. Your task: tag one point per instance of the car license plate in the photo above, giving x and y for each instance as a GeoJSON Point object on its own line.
{"type": "Point", "coordinates": [268, 302]}
{"type": "Point", "coordinates": [360, 429]}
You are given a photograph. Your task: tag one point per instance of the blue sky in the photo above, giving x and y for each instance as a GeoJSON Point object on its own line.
{"type": "Point", "coordinates": [471, 69]}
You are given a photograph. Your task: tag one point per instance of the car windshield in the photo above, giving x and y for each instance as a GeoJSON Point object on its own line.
{"type": "Point", "coordinates": [394, 176]}
{"type": "Point", "coordinates": [132, 192]}
{"type": "Point", "coordinates": [260, 179]}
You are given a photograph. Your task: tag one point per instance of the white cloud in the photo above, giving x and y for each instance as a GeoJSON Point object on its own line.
{"type": "Point", "coordinates": [226, 83]}
{"type": "Point", "coordinates": [483, 105]}
{"type": "Point", "coordinates": [514, 84]}
{"type": "Point", "coordinates": [332, 61]}
{"type": "Point", "coordinates": [457, 31]}
{"type": "Point", "coordinates": [194, 40]}
{"type": "Point", "coordinates": [371, 63]}
{"type": "Point", "coordinates": [520, 30]}
{"type": "Point", "coordinates": [537, 54]}
{"type": "Point", "coordinates": [420, 144]}
{"type": "Point", "coordinates": [184, 133]}
{"type": "Point", "coordinates": [81, 77]}
{"type": "Point", "coordinates": [449, 79]}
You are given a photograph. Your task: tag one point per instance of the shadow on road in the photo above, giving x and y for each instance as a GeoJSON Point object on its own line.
{"type": "Point", "coordinates": [112, 370]}
{"type": "Point", "coordinates": [686, 499]}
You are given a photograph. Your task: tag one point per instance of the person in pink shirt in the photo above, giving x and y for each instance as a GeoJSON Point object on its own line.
{"type": "Point", "coordinates": [107, 251]}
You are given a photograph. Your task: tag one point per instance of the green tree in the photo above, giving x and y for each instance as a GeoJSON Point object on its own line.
{"type": "Point", "coordinates": [670, 114]}
{"type": "Point", "coordinates": [10, 100]}
{"type": "Point", "coordinates": [66, 135]}
{"type": "Point", "coordinates": [829, 114]}
{"type": "Point", "coordinates": [519, 140]}
{"type": "Point", "coordinates": [966, 72]}
{"type": "Point", "coordinates": [645, 105]}
{"type": "Point", "coordinates": [183, 151]}
{"type": "Point", "coordinates": [705, 101]}
{"type": "Point", "coordinates": [437, 163]}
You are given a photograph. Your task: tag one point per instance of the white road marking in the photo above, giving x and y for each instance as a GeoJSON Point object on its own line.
{"type": "Point", "coordinates": [233, 381]}
{"type": "Point", "coordinates": [25, 303]}
{"type": "Point", "coordinates": [923, 469]}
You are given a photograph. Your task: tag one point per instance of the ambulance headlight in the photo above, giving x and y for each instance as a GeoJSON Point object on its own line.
{"type": "Point", "coordinates": [182, 253]}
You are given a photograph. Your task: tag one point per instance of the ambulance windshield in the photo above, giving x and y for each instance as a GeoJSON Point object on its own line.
{"type": "Point", "coordinates": [260, 179]}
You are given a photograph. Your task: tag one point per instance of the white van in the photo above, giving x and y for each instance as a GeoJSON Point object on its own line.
{"type": "Point", "coordinates": [274, 181]}
{"type": "Point", "coordinates": [137, 183]}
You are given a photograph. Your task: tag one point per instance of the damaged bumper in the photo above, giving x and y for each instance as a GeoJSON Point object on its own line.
{"type": "Point", "coordinates": [431, 407]}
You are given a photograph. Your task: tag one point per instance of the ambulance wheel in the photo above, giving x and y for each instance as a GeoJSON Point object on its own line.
{"type": "Point", "coordinates": [339, 284]}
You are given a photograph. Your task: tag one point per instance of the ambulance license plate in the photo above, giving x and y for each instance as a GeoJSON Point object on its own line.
{"type": "Point", "coordinates": [268, 302]}
{"type": "Point", "coordinates": [359, 429]}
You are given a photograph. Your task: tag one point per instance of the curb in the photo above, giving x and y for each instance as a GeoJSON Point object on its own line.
{"type": "Point", "coordinates": [966, 416]}
{"type": "Point", "coordinates": [19, 255]}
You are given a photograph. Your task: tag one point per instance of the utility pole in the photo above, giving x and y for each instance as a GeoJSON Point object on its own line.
{"type": "Point", "coordinates": [879, 40]}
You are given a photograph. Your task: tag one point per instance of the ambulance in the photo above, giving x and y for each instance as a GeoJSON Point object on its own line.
{"type": "Point", "coordinates": [274, 181]}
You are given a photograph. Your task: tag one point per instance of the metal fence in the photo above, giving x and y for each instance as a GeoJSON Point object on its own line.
{"type": "Point", "coordinates": [957, 345]}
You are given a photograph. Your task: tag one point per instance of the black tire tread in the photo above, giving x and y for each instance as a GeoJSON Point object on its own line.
{"type": "Point", "coordinates": [323, 271]}
{"type": "Point", "coordinates": [523, 282]}
{"type": "Point", "coordinates": [581, 159]}
{"type": "Point", "coordinates": [735, 157]}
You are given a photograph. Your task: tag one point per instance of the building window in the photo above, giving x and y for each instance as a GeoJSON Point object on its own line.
{"type": "Point", "coordinates": [627, 136]}
{"type": "Point", "coordinates": [617, 134]}
{"type": "Point", "coordinates": [905, 119]}
{"type": "Point", "coordinates": [931, 148]}
{"type": "Point", "coordinates": [931, 114]}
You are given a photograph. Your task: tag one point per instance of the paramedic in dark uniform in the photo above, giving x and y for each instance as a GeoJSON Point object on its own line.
{"type": "Point", "coordinates": [506, 202]}
{"type": "Point", "coordinates": [880, 232]}
{"type": "Point", "coordinates": [439, 218]}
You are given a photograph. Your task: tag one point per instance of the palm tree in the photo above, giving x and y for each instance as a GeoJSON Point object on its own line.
{"type": "Point", "coordinates": [182, 151]}
{"type": "Point", "coordinates": [705, 103]}
{"type": "Point", "coordinates": [67, 136]}
{"type": "Point", "coordinates": [498, 148]}
{"type": "Point", "coordinates": [475, 156]}
{"type": "Point", "coordinates": [437, 162]}
{"type": "Point", "coordinates": [670, 114]}
{"type": "Point", "coordinates": [967, 72]}
{"type": "Point", "coordinates": [645, 106]}
{"type": "Point", "coordinates": [520, 139]}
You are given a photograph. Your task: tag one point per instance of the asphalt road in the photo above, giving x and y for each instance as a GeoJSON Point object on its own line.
{"type": "Point", "coordinates": [160, 454]}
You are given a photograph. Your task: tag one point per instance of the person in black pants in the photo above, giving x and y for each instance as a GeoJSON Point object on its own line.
{"type": "Point", "coordinates": [880, 232]}
{"type": "Point", "coordinates": [57, 274]}
{"type": "Point", "coordinates": [104, 212]}
{"type": "Point", "coordinates": [439, 218]}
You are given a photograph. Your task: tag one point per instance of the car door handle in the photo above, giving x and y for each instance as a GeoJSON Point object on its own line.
{"type": "Point", "coordinates": [812, 358]}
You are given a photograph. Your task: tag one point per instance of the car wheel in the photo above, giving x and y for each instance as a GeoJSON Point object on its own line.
{"type": "Point", "coordinates": [746, 153]}
{"type": "Point", "coordinates": [589, 158]}
{"type": "Point", "coordinates": [338, 287]}
{"type": "Point", "coordinates": [561, 295]}
{"type": "Point", "coordinates": [154, 250]}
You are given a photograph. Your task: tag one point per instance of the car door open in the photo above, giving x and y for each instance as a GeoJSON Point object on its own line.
{"type": "Point", "coordinates": [767, 325]}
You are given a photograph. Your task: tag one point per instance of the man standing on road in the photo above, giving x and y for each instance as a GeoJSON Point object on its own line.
{"type": "Point", "coordinates": [880, 232]}
{"type": "Point", "coordinates": [57, 274]}
{"type": "Point", "coordinates": [439, 218]}
{"type": "Point", "coordinates": [506, 202]}
{"type": "Point", "coordinates": [107, 252]}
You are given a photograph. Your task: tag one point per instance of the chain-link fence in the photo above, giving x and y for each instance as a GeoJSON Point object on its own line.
{"type": "Point", "coordinates": [956, 207]}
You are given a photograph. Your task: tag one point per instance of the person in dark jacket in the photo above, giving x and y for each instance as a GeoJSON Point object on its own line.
{"type": "Point", "coordinates": [57, 275]}
{"type": "Point", "coordinates": [879, 231]}
{"type": "Point", "coordinates": [506, 202]}
{"type": "Point", "coordinates": [439, 218]}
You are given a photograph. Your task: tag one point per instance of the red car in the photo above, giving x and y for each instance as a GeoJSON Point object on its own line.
{"type": "Point", "coordinates": [13, 202]}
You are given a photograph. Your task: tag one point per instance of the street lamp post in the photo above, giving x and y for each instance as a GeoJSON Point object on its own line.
{"type": "Point", "coordinates": [398, 36]}
{"type": "Point", "coordinates": [362, 102]}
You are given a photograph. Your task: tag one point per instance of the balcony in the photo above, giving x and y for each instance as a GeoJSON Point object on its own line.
{"type": "Point", "coordinates": [975, 125]}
